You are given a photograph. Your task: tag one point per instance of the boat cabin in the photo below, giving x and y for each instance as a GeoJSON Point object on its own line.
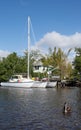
{"type": "Point", "coordinates": [15, 78]}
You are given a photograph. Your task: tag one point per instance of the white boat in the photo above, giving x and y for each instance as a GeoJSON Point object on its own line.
{"type": "Point", "coordinates": [40, 84]}
{"type": "Point", "coordinates": [19, 81]}
{"type": "Point", "coordinates": [25, 82]}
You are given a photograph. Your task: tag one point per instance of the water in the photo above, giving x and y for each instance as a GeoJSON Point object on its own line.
{"type": "Point", "coordinates": [39, 109]}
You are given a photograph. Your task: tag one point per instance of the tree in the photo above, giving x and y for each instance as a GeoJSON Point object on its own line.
{"type": "Point", "coordinates": [58, 59]}
{"type": "Point", "coordinates": [2, 72]}
{"type": "Point", "coordinates": [77, 64]}
{"type": "Point", "coordinates": [13, 64]}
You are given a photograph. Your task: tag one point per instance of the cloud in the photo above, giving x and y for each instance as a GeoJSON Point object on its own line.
{"type": "Point", "coordinates": [4, 53]}
{"type": "Point", "coordinates": [55, 39]}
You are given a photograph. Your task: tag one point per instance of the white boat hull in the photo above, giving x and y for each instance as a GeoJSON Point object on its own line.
{"type": "Point", "coordinates": [30, 84]}
{"type": "Point", "coordinates": [40, 84]}
{"type": "Point", "coordinates": [52, 84]}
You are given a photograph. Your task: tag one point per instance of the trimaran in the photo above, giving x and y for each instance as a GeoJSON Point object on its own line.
{"type": "Point", "coordinates": [25, 82]}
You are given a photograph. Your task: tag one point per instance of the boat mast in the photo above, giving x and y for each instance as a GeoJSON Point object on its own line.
{"type": "Point", "coordinates": [28, 44]}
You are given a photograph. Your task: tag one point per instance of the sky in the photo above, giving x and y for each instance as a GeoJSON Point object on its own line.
{"type": "Point", "coordinates": [55, 23]}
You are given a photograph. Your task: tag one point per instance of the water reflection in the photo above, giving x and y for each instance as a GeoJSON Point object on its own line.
{"type": "Point", "coordinates": [32, 109]}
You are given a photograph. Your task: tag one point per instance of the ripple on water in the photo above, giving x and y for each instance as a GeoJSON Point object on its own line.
{"type": "Point", "coordinates": [37, 125]}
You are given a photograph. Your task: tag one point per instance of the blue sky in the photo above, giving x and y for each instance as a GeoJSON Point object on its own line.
{"type": "Point", "coordinates": [55, 23]}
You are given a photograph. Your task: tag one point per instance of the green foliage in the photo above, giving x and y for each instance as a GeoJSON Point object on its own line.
{"type": "Point", "coordinates": [11, 65]}
{"type": "Point", "coordinates": [77, 64]}
{"type": "Point", "coordinates": [15, 64]}
{"type": "Point", "coordinates": [57, 58]}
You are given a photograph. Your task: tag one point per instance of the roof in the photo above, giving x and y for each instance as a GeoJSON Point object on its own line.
{"type": "Point", "coordinates": [37, 63]}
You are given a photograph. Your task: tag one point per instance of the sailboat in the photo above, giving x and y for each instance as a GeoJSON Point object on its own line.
{"type": "Point", "coordinates": [18, 80]}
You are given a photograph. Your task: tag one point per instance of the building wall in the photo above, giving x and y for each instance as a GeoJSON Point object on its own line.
{"type": "Point", "coordinates": [41, 69]}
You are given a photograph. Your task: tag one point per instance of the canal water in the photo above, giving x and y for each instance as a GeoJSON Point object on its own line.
{"type": "Point", "coordinates": [39, 109]}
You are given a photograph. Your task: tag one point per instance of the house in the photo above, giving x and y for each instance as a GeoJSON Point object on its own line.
{"type": "Point", "coordinates": [38, 67]}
